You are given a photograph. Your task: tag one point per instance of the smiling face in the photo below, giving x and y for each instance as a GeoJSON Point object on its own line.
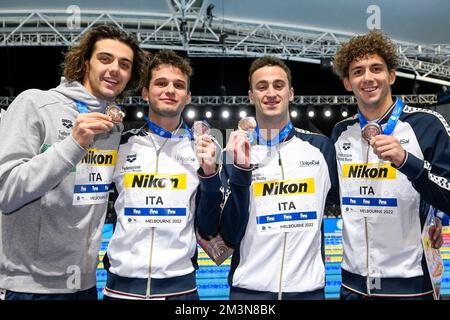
{"type": "Point", "coordinates": [167, 93]}
{"type": "Point", "coordinates": [271, 94]}
{"type": "Point", "coordinates": [370, 80]}
{"type": "Point", "coordinates": [109, 69]}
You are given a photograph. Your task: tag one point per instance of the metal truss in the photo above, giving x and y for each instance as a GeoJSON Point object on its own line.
{"type": "Point", "coordinates": [221, 101]}
{"type": "Point", "coordinates": [188, 26]}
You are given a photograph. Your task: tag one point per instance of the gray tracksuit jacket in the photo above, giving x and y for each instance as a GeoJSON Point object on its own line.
{"type": "Point", "coordinates": [47, 245]}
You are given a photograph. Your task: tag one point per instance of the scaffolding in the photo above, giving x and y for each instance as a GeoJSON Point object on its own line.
{"type": "Point", "coordinates": [187, 26]}
{"type": "Point", "coordinates": [221, 101]}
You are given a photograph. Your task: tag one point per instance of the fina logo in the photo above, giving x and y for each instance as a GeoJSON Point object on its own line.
{"type": "Point", "coordinates": [346, 146]}
{"type": "Point", "coordinates": [131, 158]}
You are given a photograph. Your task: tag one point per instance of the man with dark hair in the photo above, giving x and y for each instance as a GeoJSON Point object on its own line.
{"type": "Point", "coordinates": [269, 61]}
{"type": "Point", "coordinates": [77, 59]}
{"type": "Point", "coordinates": [393, 165]}
{"type": "Point", "coordinates": [167, 187]}
{"type": "Point", "coordinates": [278, 186]}
{"type": "Point", "coordinates": [56, 165]}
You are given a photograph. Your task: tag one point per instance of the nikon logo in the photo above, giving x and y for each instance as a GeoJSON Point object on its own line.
{"type": "Point", "coordinates": [369, 171]}
{"type": "Point", "coordinates": [155, 181]}
{"type": "Point", "coordinates": [283, 187]}
{"type": "Point", "coordinates": [100, 157]}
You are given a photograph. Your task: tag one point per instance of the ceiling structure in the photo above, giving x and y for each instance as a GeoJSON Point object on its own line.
{"type": "Point", "coordinates": [307, 31]}
{"type": "Point", "coordinates": [419, 99]}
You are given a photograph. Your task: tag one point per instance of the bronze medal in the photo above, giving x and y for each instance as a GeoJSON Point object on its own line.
{"type": "Point", "coordinates": [370, 130]}
{"type": "Point", "coordinates": [115, 113]}
{"type": "Point", "coordinates": [247, 124]}
{"type": "Point", "coordinates": [200, 127]}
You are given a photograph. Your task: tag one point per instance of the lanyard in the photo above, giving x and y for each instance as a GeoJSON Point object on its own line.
{"type": "Point", "coordinates": [167, 134]}
{"type": "Point", "coordinates": [280, 137]}
{"type": "Point", "coordinates": [393, 118]}
{"type": "Point", "coordinates": [81, 106]}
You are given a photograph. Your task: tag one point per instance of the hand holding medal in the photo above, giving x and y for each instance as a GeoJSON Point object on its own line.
{"type": "Point", "coordinates": [88, 125]}
{"type": "Point", "coordinates": [388, 148]}
{"type": "Point", "coordinates": [204, 147]}
{"type": "Point", "coordinates": [238, 147]}
{"type": "Point", "coordinates": [371, 130]}
{"type": "Point", "coordinates": [384, 144]}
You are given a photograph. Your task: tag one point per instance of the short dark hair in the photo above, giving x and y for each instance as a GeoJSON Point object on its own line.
{"type": "Point", "coordinates": [74, 61]}
{"type": "Point", "coordinates": [268, 61]}
{"type": "Point", "coordinates": [170, 58]}
{"type": "Point", "coordinates": [374, 42]}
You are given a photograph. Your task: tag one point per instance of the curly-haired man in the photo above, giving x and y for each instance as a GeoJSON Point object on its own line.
{"type": "Point", "coordinates": [393, 169]}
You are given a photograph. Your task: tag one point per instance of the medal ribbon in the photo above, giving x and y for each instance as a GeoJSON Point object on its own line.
{"type": "Point", "coordinates": [81, 107]}
{"type": "Point", "coordinates": [167, 134]}
{"type": "Point", "coordinates": [280, 137]}
{"type": "Point", "coordinates": [393, 118]}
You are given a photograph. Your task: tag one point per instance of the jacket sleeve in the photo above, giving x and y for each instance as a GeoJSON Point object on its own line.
{"type": "Point", "coordinates": [208, 204]}
{"type": "Point", "coordinates": [431, 176]}
{"type": "Point", "coordinates": [332, 200]}
{"type": "Point", "coordinates": [235, 213]}
{"type": "Point", "coordinates": [27, 168]}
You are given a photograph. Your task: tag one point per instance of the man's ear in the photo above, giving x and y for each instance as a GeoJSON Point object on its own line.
{"type": "Point", "coordinates": [86, 73]}
{"type": "Point", "coordinates": [86, 67]}
{"type": "Point", "coordinates": [291, 94]}
{"type": "Point", "coordinates": [188, 98]}
{"type": "Point", "coordinates": [144, 93]}
{"type": "Point", "coordinates": [392, 76]}
{"type": "Point", "coordinates": [250, 96]}
{"type": "Point", "coordinates": [347, 84]}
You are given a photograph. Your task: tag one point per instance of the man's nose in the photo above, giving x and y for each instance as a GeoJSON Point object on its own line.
{"type": "Point", "coordinates": [170, 88]}
{"type": "Point", "coordinates": [114, 66]}
{"type": "Point", "coordinates": [367, 76]}
{"type": "Point", "coordinates": [270, 90]}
